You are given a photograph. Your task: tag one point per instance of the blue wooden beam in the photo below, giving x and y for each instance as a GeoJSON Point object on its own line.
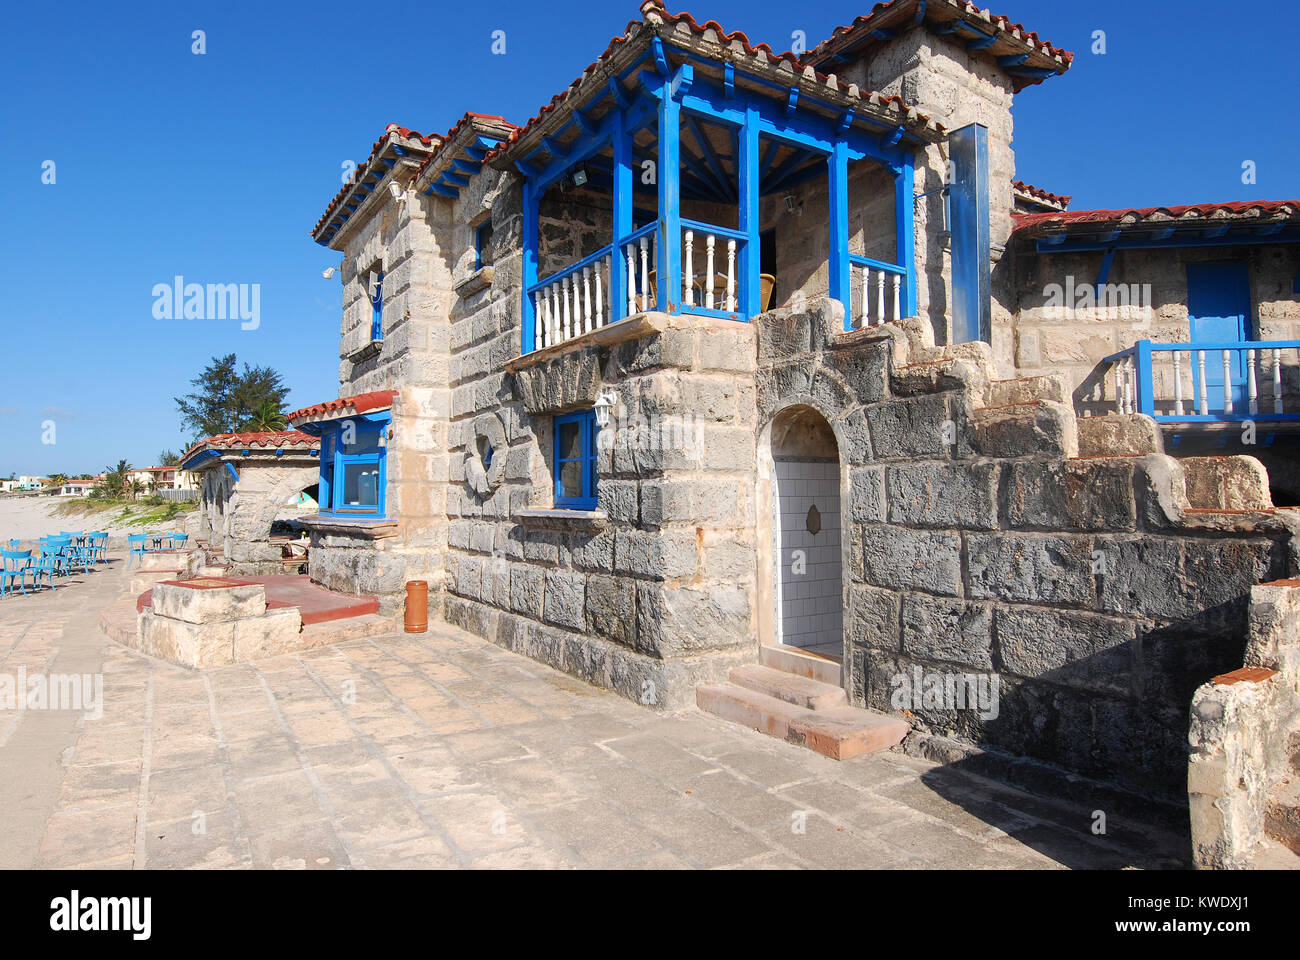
{"type": "Point", "coordinates": [466, 166]}
{"type": "Point", "coordinates": [453, 180]}
{"type": "Point", "coordinates": [904, 230]}
{"type": "Point", "coordinates": [1033, 73]}
{"type": "Point", "coordinates": [528, 318]}
{"type": "Point", "coordinates": [670, 229]}
{"type": "Point", "coordinates": [1014, 60]}
{"type": "Point", "coordinates": [729, 79]}
{"type": "Point", "coordinates": [584, 122]}
{"type": "Point", "coordinates": [747, 169]}
{"type": "Point", "coordinates": [440, 190]}
{"type": "Point", "coordinates": [892, 138]}
{"type": "Point", "coordinates": [792, 102]}
{"type": "Point", "coordinates": [400, 152]}
{"type": "Point", "coordinates": [661, 59]}
{"type": "Point", "coordinates": [838, 265]}
{"type": "Point", "coordinates": [624, 177]}
{"type": "Point", "coordinates": [527, 169]}
{"type": "Point", "coordinates": [846, 121]}
{"type": "Point", "coordinates": [982, 42]}
{"type": "Point", "coordinates": [1107, 261]}
{"type": "Point", "coordinates": [619, 94]}
{"type": "Point", "coordinates": [682, 79]}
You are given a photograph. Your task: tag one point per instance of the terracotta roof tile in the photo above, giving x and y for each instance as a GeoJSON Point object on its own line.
{"type": "Point", "coordinates": [1041, 196]}
{"type": "Point", "coordinates": [1235, 210]}
{"type": "Point", "coordinates": [432, 141]}
{"type": "Point", "coordinates": [360, 403]}
{"type": "Point", "coordinates": [654, 10]}
{"type": "Point", "coordinates": [240, 441]}
{"type": "Point", "coordinates": [1003, 24]}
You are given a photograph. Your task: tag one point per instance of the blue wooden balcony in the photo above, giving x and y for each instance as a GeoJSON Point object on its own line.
{"type": "Point", "coordinates": [1206, 383]}
{"type": "Point", "coordinates": [685, 168]}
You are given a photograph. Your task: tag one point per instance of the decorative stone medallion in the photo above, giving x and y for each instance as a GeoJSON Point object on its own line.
{"type": "Point", "coordinates": [485, 455]}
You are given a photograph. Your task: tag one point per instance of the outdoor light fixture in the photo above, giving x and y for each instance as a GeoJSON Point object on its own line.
{"type": "Point", "coordinates": [383, 438]}
{"type": "Point", "coordinates": [397, 192]}
{"type": "Point", "coordinates": [604, 403]}
{"type": "Point", "coordinates": [579, 176]}
{"type": "Point", "coordinates": [327, 273]}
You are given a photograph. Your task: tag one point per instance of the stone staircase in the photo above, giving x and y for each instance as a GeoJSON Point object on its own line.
{"type": "Point", "coordinates": [800, 710]}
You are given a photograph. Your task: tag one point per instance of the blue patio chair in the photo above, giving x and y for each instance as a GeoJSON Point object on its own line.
{"type": "Point", "coordinates": [178, 539]}
{"type": "Point", "coordinates": [15, 565]}
{"type": "Point", "coordinates": [138, 545]}
{"type": "Point", "coordinates": [99, 547]}
{"type": "Point", "coordinates": [62, 547]}
{"type": "Point", "coordinates": [46, 565]}
{"type": "Point", "coordinates": [15, 544]}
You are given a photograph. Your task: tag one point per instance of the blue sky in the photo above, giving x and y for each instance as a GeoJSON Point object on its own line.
{"type": "Point", "coordinates": [214, 167]}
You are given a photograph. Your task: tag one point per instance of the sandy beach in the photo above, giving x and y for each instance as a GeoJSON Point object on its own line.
{"type": "Point", "coordinates": [29, 518]}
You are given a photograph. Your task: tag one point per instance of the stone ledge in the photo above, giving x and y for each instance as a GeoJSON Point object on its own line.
{"type": "Point", "coordinates": [547, 518]}
{"type": "Point", "coordinates": [371, 349]}
{"type": "Point", "coordinates": [368, 529]}
{"type": "Point", "coordinates": [480, 279]}
{"type": "Point", "coordinates": [631, 328]}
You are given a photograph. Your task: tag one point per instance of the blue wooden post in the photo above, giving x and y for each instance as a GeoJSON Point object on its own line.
{"type": "Point", "coordinates": [1145, 385]}
{"type": "Point", "coordinates": [670, 217]}
{"type": "Point", "coordinates": [623, 174]}
{"type": "Point", "coordinates": [840, 286]}
{"type": "Point", "coordinates": [528, 320]}
{"type": "Point", "coordinates": [905, 209]}
{"type": "Point", "coordinates": [751, 301]}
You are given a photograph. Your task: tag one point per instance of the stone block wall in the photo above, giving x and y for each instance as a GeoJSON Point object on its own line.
{"type": "Point", "coordinates": [978, 541]}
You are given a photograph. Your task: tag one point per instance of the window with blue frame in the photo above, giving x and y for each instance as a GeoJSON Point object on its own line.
{"type": "Point", "coordinates": [483, 245]}
{"type": "Point", "coordinates": [376, 304]}
{"type": "Point", "coordinates": [575, 460]}
{"type": "Point", "coordinates": [353, 457]}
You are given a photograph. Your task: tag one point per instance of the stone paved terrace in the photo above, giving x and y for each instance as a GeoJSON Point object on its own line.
{"type": "Point", "coordinates": [442, 750]}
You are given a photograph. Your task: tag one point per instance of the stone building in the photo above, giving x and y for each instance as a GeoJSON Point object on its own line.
{"type": "Point", "coordinates": [729, 356]}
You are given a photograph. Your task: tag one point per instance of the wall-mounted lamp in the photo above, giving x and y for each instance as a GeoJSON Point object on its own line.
{"type": "Point", "coordinates": [793, 205]}
{"type": "Point", "coordinates": [580, 176]}
{"type": "Point", "coordinates": [329, 272]}
{"type": "Point", "coordinates": [396, 191]}
{"type": "Point", "coordinates": [604, 404]}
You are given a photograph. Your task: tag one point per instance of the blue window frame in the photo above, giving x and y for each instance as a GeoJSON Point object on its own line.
{"type": "Point", "coordinates": [377, 306]}
{"type": "Point", "coordinates": [575, 460]}
{"type": "Point", "coordinates": [353, 467]}
{"type": "Point", "coordinates": [483, 245]}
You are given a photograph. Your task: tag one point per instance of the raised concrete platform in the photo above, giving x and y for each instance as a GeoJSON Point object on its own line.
{"type": "Point", "coordinates": [314, 602]}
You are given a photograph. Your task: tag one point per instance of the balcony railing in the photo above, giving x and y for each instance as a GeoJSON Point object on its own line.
{"type": "Point", "coordinates": [878, 286]}
{"type": "Point", "coordinates": [1204, 382]}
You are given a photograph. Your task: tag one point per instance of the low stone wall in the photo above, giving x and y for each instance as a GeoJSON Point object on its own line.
{"type": "Point", "coordinates": [979, 542]}
{"type": "Point", "coordinates": [213, 622]}
{"type": "Point", "coordinates": [1241, 727]}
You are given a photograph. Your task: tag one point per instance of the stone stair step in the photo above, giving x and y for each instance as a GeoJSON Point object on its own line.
{"type": "Point", "coordinates": [1002, 393]}
{"type": "Point", "coordinates": [794, 660]}
{"type": "Point", "coordinates": [799, 691]}
{"type": "Point", "coordinates": [1274, 856]}
{"type": "Point", "coordinates": [1282, 814]}
{"type": "Point", "coordinates": [1025, 430]}
{"type": "Point", "coordinates": [838, 732]}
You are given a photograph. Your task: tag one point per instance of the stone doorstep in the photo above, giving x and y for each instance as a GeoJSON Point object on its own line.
{"type": "Point", "coordinates": [792, 688]}
{"type": "Point", "coordinates": [1273, 856]}
{"type": "Point", "coordinates": [793, 660]}
{"type": "Point", "coordinates": [1282, 814]}
{"type": "Point", "coordinates": [840, 733]}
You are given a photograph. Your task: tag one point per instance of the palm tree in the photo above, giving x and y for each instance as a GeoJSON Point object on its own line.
{"type": "Point", "coordinates": [57, 480]}
{"type": "Point", "coordinates": [268, 418]}
{"type": "Point", "coordinates": [115, 479]}
{"type": "Point", "coordinates": [136, 487]}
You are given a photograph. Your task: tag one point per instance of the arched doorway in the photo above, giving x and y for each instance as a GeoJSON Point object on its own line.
{"type": "Point", "coordinates": [807, 544]}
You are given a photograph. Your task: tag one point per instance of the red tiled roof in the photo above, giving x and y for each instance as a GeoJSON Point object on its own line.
{"type": "Point", "coordinates": [1013, 31]}
{"type": "Point", "coordinates": [242, 441]}
{"type": "Point", "coordinates": [361, 403]}
{"type": "Point", "coordinates": [432, 140]}
{"type": "Point", "coordinates": [1043, 196]}
{"type": "Point", "coordinates": [1235, 210]}
{"type": "Point", "coordinates": [657, 8]}
{"type": "Point", "coordinates": [469, 117]}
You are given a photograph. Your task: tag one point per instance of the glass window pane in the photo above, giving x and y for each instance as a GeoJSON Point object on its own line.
{"type": "Point", "coordinates": [571, 479]}
{"type": "Point", "coordinates": [570, 446]}
{"type": "Point", "coordinates": [364, 441]}
{"type": "Point", "coordinates": [360, 485]}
